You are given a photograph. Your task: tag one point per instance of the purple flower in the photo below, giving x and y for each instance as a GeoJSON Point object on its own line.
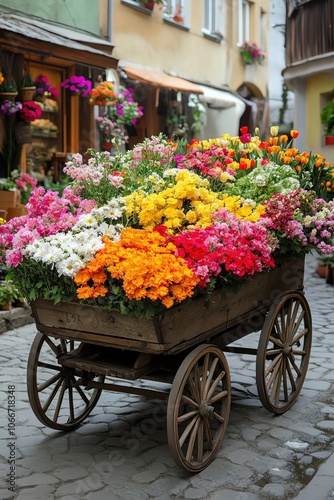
{"type": "Point", "coordinates": [11, 107]}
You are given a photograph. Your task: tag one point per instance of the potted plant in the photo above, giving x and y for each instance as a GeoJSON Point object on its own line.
{"type": "Point", "coordinates": [8, 88]}
{"type": "Point", "coordinates": [8, 294]}
{"type": "Point", "coordinates": [26, 88]}
{"type": "Point", "coordinates": [325, 267]}
{"type": "Point", "coordinates": [252, 54]}
{"type": "Point", "coordinates": [111, 132]}
{"type": "Point", "coordinates": [327, 119]}
{"type": "Point", "coordinates": [149, 4]}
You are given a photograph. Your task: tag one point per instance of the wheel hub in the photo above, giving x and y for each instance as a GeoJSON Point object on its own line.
{"type": "Point", "coordinates": [287, 348]}
{"type": "Point", "coordinates": [205, 410]}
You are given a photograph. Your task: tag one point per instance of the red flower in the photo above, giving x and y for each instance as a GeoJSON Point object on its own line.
{"type": "Point", "coordinates": [30, 111]}
{"type": "Point", "coordinates": [244, 130]}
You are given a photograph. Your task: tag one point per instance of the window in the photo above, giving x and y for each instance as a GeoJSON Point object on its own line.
{"type": "Point", "coordinates": [243, 21]}
{"type": "Point", "coordinates": [177, 11]}
{"type": "Point", "coordinates": [215, 18]}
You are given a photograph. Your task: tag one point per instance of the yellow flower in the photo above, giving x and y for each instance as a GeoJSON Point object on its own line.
{"type": "Point", "coordinates": [274, 130]}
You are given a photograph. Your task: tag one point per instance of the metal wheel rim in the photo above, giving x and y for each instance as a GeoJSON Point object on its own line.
{"type": "Point", "coordinates": [284, 352]}
{"type": "Point", "coordinates": [198, 408]}
{"type": "Point", "coordinates": [54, 399]}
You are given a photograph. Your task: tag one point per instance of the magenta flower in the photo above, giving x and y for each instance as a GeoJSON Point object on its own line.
{"type": "Point", "coordinates": [77, 84]}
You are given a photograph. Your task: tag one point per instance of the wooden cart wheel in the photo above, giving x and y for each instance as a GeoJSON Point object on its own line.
{"type": "Point", "coordinates": [55, 395]}
{"type": "Point", "coordinates": [284, 351]}
{"type": "Point", "coordinates": [198, 408]}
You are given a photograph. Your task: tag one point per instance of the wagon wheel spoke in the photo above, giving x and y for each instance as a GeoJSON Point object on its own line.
{"type": "Point", "coordinates": [209, 379]}
{"type": "Point", "coordinates": [284, 351]}
{"type": "Point", "coordinates": [192, 440]}
{"type": "Point", "coordinates": [55, 348]}
{"type": "Point", "coordinates": [208, 433]}
{"type": "Point", "coordinates": [196, 422]}
{"type": "Point", "coordinates": [186, 416]}
{"type": "Point", "coordinates": [71, 402]}
{"type": "Point", "coordinates": [291, 376]}
{"type": "Point", "coordinates": [300, 336]}
{"type": "Point", "coordinates": [218, 396]}
{"type": "Point", "coordinates": [205, 373]}
{"type": "Point", "coordinates": [48, 382]}
{"type": "Point", "coordinates": [188, 430]}
{"type": "Point", "coordinates": [200, 433]}
{"type": "Point", "coordinates": [52, 395]}
{"type": "Point", "coordinates": [189, 401]}
{"type": "Point", "coordinates": [60, 400]}
{"type": "Point", "coordinates": [214, 386]}
{"type": "Point", "coordinates": [277, 329]}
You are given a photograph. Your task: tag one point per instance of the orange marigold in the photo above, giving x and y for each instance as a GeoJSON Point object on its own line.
{"type": "Point", "coordinates": [146, 264]}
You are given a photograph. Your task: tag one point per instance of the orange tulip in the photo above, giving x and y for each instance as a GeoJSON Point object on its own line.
{"type": "Point", "coordinates": [294, 134]}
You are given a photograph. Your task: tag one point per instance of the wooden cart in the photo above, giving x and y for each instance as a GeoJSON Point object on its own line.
{"type": "Point", "coordinates": [78, 347]}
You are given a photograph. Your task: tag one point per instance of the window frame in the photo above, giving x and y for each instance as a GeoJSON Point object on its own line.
{"type": "Point", "coordinates": [243, 21]}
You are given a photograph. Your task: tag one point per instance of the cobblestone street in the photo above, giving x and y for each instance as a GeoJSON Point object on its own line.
{"type": "Point", "coordinates": [121, 451]}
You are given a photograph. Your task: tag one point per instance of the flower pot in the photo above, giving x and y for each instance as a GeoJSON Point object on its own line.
{"type": "Point", "coordinates": [106, 146]}
{"type": "Point", "coordinates": [149, 5]}
{"type": "Point", "coordinates": [321, 271]}
{"type": "Point", "coordinates": [16, 212]}
{"type": "Point", "coordinates": [75, 94]}
{"type": "Point", "coordinates": [329, 140]}
{"type": "Point", "coordinates": [6, 307]}
{"type": "Point", "coordinates": [8, 96]}
{"type": "Point", "coordinates": [9, 199]}
{"type": "Point", "coordinates": [26, 94]}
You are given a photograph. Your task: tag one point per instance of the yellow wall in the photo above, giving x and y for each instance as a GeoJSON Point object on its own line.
{"type": "Point", "coordinates": [315, 140]}
{"type": "Point", "coordinates": [145, 39]}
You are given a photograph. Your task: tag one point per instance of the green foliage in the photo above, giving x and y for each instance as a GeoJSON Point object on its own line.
{"type": "Point", "coordinates": [9, 292]}
{"type": "Point", "coordinates": [8, 85]}
{"type": "Point", "coordinates": [327, 118]}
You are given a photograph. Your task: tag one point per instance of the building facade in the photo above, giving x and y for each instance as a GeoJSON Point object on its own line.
{"type": "Point", "coordinates": [179, 56]}
{"type": "Point", "coordinates": [309, 71]}
{"type": "Point", "coordinates": [198, 41]}
{"type": "Point", "coordinates": [54, 40]}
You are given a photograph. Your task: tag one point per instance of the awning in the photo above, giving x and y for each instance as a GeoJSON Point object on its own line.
{"type": "Point", "coordinates": [219, 99]}
{"type": "Point", "coordinates": [223, 112]}
{"type": "Point", "coordinates": [159, 79]}
{"type": "Point", "coordinates": [43, 39]}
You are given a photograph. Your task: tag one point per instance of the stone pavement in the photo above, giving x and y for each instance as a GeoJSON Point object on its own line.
{"type": "Point", "coordinates": [120, 451]}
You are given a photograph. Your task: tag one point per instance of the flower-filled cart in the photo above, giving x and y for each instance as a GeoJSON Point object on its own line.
{"type": "Point", "coordinates": [154, 262]}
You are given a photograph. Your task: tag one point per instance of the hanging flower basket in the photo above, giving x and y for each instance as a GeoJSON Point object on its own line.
{"type": "Point", "coordinates": [8, 96]}
{"type": "Point", "coordinates": [26, 93]}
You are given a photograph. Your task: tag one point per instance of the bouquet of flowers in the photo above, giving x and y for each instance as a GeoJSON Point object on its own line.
{"type": "Point", "coordinates": [77, 84]}
{"type": "Point", "coordinates": [166, 222]}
